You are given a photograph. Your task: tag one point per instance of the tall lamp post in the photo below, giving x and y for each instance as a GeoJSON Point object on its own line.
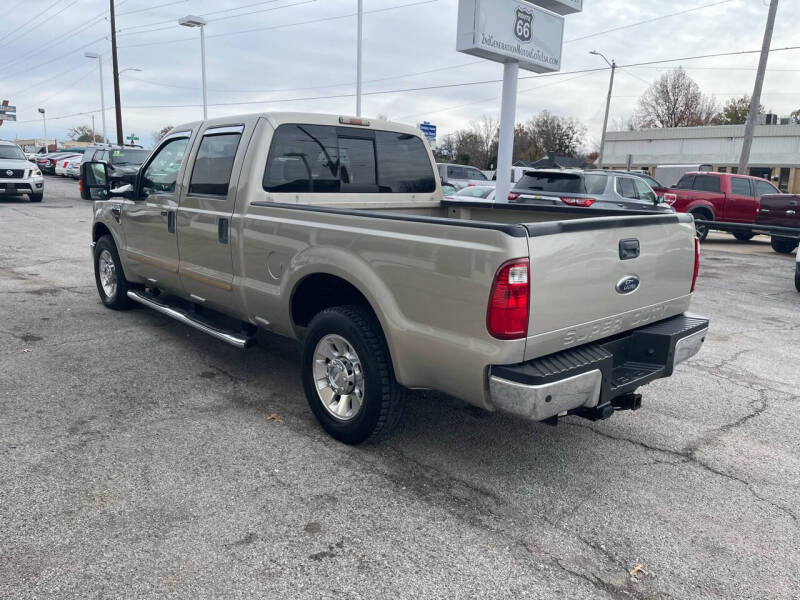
{"type": "Point", "coordinates": [99, 57]}
{"type": "Point", "coordinates": [192, 21]}
{"type": "Point", "coordinates": [44, 122]}
{"type": "Point", "coordinates": [359, 55]}
{"type": "Point", "coordinates": [613, 66]}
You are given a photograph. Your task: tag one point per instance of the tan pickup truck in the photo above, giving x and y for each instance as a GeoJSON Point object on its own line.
{"type": "Point", "coordinates": [333, 231]}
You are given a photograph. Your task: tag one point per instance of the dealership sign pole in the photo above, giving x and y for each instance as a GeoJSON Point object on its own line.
{"type": "Point", "coordinates": [519, 34]}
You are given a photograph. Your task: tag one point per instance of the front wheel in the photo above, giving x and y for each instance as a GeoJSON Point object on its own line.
{"type": "Point", "coordinates": [108, 275]}
{"type": "Point", "coordinates": [797, 277]}
{"type": "Point", "coordinates": [743, 236]}
{"type": "Point", "coordinates": [348, 377]}
{"type": "Point", "coordinates": [700, 230]}
{"type": "Point", "coordinates": [783, 245]}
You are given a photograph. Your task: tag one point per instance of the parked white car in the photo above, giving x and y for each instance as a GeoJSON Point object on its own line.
{"type": "Point", "coordinates": [73, 169]}
{"type": "Point", "coordinates": [63, 162]}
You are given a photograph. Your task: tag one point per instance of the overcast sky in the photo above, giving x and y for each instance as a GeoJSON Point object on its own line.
{"type": "Point", "coordinates": [283, 52]}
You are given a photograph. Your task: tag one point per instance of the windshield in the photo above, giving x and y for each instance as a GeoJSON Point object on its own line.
{"type": "Point", "coordinates": [12, 152]}
{"type": "Point", "coordinates": [128, 157]}
{"type": "Point", "coordinates": [551, 182]}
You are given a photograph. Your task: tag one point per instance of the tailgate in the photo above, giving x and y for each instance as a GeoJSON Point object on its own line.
{"type": "Point", "coordinates": [782, 210]}
{"type": "Point", "coordinates": [582, 289]}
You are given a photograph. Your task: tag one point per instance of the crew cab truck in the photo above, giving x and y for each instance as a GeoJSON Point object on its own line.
{"type": "Point", "coordinates": [333, 231]}
{"type": "Point", "coordinates": [725, 198]}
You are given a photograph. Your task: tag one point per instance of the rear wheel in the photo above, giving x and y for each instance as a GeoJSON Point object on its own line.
{"type": "Point", "coordinates": [36, 197]}
{"type": "Point", "coordinates": [108, 275]}
{"type": "Point", "coordinates": [347, 375]}
{"type": "Point", "coordinates": [701, 230]}
{"type": "Point", "coordinates": [797, 277]}
{"type": "Point", "coordinates": [743, 236]}
{"type": "Point", "coordinates": [783, 245]}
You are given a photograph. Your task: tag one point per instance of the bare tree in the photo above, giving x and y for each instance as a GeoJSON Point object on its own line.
{"type": "Point", "coordinates": [83, 133]}
{"type": "Point", "coordinates": [159, 135]}
{"type": "Point", "coordinates": [486, 133]}
{"type": "Point", "coordinates": [557, 135]}
{"type": "Point", "coordinates": [674, 100]}
{"type": "Point", "coordinates": [735, 111]}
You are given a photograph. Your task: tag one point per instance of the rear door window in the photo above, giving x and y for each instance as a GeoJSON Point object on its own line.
{"type": "Point", "coordinates": [625, 188]}
{"type": "Point", "coordinates": [706, 183]}
{"type": "Point", "coordinates": [551, 182]}
{"type": "Point", "coordinates": [457, 173]}
{"type": "Point", "coordinates": [740, 186]}
{"type": "Point", "coordinates": [475, 174]}
{"type": "Point", "coordinates": [686, 182]}
{"type": "Point", "coordinates": [211, 173]}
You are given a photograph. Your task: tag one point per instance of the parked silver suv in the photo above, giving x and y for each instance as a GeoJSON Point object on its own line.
{"type": "Point", "coordinates": [594, 189]}
{"type": "Point", "coordinates": [460, 176]}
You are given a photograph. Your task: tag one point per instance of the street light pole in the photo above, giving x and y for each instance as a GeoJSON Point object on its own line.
{"type": "Point", "coordinates": [359, 54]}
{"type": "Point", "coordinates": [44, 122]}
{"type": "Point", "coordinates": [193, 21]}
{"type": "Point", "coordinates": [99, 57]}
{"type": "Point", "coordinates": [94, 137]}
{"type": "Point", "coordinates": [613, 66]}
{"type": "Point", "coordinates": [755, 99]}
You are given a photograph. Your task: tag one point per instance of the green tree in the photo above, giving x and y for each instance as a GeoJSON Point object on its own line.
{"type": "Point", "coordinates": [735, 111]}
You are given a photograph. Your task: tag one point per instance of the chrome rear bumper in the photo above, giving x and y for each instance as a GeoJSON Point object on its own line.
{"type": "Point", "coordinates": [592, 376]}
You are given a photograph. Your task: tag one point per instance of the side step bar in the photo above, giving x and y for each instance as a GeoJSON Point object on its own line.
{"type": "Point", "coordinates": [237, 339]}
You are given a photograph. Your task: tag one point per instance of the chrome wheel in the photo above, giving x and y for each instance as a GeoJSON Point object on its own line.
{"type": "Point", "coordinates": [107, 272]}
{"type": "Point", "coordinates": [338, 377]}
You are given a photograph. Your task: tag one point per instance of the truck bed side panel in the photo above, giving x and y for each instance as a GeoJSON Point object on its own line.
{"type": "Point", "coordinates": [428, 283]}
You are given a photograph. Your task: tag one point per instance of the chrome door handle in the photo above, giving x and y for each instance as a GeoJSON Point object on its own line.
{"type": "Point", "coordinates": [790, 212]}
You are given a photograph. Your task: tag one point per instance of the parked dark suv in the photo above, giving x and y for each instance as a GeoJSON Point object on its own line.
{"type": "Point", "coordinates": [123, 161]}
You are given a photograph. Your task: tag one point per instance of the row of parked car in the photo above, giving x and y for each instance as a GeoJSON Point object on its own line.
{"type": "Point", "coordinates": [121, 160]}
{"type": "Point", "coordinates": [739, 204]}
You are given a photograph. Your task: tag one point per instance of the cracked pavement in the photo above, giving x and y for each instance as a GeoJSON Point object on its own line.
{"type": "Point", "coordinates": [140, 458]}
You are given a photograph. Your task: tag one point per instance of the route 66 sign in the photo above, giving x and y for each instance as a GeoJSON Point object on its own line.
{"type": "Point", "coordinates": [523, 25]}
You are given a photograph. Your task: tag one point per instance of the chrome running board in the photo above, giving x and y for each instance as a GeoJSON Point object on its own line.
{"type": "Point", "coordinates": [237, 339]}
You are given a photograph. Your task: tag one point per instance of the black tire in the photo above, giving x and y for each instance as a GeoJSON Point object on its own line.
{"type": "Point", "coordinates": [118, 299]}
{"type": "Point", "coordinates": [797, 277]}
{"type": "Point", "coordinates": [383, 398]}
{"type": "Point", "coordinates": [701, 231]}
{"type": "Point", "coordinates": [36, 197]}
{"type": "Point", "coordinates": [783, 245]}
{"type": "Point", "coordinates": [743, 236]}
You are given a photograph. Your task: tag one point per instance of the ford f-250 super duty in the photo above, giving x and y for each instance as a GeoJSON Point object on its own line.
{"type": "Point", "coordinates": [333, 231]}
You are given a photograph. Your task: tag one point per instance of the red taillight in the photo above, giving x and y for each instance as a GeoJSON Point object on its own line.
{"type": "Point", "coordinates": [513, 195]}
{"type": "Point", "coordinates": [696, 262]}
{"type": "Point", "coordinates": [578, 201]}
{"type": "Point", "coordinates": [670, 198]}
{"type": "Point", "coordinates": [509, 301]}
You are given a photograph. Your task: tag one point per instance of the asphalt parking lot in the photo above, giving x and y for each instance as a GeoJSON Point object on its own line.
{"type": "Point", "coordinates": [140, 458]}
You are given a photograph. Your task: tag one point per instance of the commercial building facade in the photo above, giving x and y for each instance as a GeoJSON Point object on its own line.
{"type": "Point", "coordinates": [775, 154]}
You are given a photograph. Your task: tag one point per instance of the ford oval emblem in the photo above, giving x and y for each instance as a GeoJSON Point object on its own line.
{"type": "Point", "coordinates": [628, 284]}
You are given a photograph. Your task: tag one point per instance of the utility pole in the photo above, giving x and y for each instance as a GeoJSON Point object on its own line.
{"type": "Point", "coordinates": [613, 66]}
{"type": "Point", "coordinates": [94, 137]}
{"type": "Point", "coordinates": [115, 65]}
{"type": "Point", "coordinates": [755, 99]}
{"type": "Point", "coordinates": [358, 57]}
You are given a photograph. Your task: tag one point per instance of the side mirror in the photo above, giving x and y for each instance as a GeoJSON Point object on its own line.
{"type": "Point", "coordinates": [94, 181]}
{"type": "Point", "coordinates": [659, 200]}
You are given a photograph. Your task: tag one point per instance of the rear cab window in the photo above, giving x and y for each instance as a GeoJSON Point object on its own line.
{"type": "Point", "coordinates": [347, 160]}
{"type": "Point", "coordinates": [686, 183]}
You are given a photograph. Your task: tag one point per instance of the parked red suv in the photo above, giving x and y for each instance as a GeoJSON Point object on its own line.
{"type": "Point", "coordinates": [723, 197]}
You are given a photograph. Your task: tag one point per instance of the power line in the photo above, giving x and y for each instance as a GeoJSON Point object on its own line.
{"type": "Point", "coordinates": [224, 10]}
{"type": "Point", "coordinates": [422, 88]}
{"type": "Point", "coordinates": [21, 28]}
{"type": "Point", "coordinates": [321, 20]}
{"type": "Point", "coordinates": [145, 9]}
{"type": "Point", "coordinates": [651, 20]}
{"type": "Point", "coordinates": [59, 57]}
{"type": "Point", "coordinates": [38, 83]}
